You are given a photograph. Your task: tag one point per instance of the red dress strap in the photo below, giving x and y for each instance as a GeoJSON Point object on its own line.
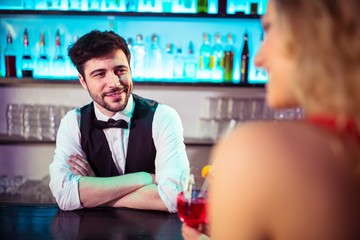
{"type": "Point", "coordinates": [348, 126]}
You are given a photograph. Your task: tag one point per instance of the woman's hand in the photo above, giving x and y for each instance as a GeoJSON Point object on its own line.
{"type": "Point", "coordinates": [190, 233]}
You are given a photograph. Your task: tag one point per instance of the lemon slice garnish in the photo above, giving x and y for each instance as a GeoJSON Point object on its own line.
{"type": "Point", "coordinates": [205, 171]}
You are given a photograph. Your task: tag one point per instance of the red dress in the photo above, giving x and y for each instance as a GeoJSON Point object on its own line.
{"type": "Point", "coordinates": [347, 127]}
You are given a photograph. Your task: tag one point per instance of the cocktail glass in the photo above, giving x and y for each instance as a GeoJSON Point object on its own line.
{"type": "Point", "coordinates": [192, 209]}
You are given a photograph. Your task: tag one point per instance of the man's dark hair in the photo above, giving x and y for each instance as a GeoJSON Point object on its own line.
{"type": "Point", "coordinates": [96, 44]}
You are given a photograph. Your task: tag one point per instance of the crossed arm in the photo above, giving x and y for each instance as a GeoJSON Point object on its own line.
{"type": "Point", "coordinates": [135, 190]}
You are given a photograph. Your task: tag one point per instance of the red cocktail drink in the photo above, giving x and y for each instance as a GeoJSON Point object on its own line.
{"type": "Point", "coordinates": [192, 209]}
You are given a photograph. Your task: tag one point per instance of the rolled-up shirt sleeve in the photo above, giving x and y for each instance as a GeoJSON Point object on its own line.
{"type": "Point", "coordinates": [171, 163]}
{"type": "Point", "coordinates": [64, 184]}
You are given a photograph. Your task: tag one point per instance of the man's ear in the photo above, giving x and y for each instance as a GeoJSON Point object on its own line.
{"type": "Point", "coordinates": [82, 81]}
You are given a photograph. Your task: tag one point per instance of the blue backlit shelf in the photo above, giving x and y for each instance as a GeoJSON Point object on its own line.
{"type": "Point", "coordinates": [149, 82]}
{"type": "Point", "coordinates": [129, 14]}
{"type": "Point", "coordinates": [175, 28]}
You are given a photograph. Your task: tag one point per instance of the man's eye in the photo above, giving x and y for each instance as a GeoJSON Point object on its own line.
{"type": "Point", "coordinates": [99, 74]}
{"type": "Point", "coordinates": [120, 71]}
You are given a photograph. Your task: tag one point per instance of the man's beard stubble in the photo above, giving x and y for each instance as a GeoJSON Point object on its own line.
{"type": "Point", "coordinates": [102, 103]}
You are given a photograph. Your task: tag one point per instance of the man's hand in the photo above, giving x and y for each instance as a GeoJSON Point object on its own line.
{"type": "Point", "coordinates": [153, 178]}
{"type": "Point", "coordinates": [79, 165]}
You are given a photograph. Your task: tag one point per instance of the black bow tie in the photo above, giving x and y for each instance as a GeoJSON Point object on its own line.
{"type": "Point", "coordinates": [111, 123]}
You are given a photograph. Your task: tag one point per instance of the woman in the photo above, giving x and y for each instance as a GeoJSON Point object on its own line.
{"type": "Point", "coordinates": [297, 179]}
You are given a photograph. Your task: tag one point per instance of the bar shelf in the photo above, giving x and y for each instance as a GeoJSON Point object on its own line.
{"type": "Point", "coordinates": [129, 14]}
{"type": "Point", "coordinates": [13, 81]}
{"type": "Point", "coordinates": [18, 140]}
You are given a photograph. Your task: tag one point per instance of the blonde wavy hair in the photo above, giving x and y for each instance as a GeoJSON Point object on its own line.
{"type": "Point", "coordinates": [324, 36]}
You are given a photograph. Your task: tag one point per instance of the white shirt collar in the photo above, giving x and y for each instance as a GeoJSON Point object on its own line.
{"type": "Point", "coordinates": [125, 114]}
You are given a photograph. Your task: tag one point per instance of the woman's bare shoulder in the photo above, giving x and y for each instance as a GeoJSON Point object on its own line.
{"type": "Point", "coordinates": [278, 138]}
{"type": "Point", "coordinates": [288, 139]}
{"type": "Point", "coordinates": [266, 138]}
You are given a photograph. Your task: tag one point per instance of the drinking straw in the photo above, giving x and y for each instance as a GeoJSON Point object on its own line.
{"type": "Point", "coordinates": [205, 186]}
{"type": "Point", "coordinates": [188, 190]}
{"type": "Point", "coordinates": [231, 127]}
{"type": "Point", "coordinates": [206, 183]}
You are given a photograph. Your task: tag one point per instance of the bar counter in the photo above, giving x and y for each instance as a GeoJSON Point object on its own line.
{"type": "Point", "coordinates": [49, 222]}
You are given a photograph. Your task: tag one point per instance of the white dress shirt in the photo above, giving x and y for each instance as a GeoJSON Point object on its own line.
{"type": "Point", "coordinates": [171, 162]}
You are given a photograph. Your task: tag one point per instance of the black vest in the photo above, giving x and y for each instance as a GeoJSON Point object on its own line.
{"type": "Point", "coordinates": [141, 150]}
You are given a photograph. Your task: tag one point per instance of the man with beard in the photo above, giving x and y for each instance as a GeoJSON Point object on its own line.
{"type": "Point", "coordinates": [121, 150]}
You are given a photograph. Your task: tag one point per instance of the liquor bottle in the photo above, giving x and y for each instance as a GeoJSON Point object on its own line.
{"type": "Point", "coordinates": [190, 63]}
{"type": "Point", "coordinates": [43, 63]}
{"type": "Point", "coordinates": [151, 1]}
{"type": "Point", "coordinates": [107, 4]}
{"type": "Point", "coordinates": [187, 3]}
{"type": "Point", "coordinates": [244, 66]}
{"type": "Point", "coordinates": [59, 4]}
{"type": "Point", "coordinates": [28, 4]}
{"type": "Point", "coordinates": [167, 6]}
{"type": "Point", "coordinates": [240, 6]}
{"type": "Point", "coordinates": [222, 7]}
{"type": "Point", "coordinates": [139, 57]}
{"type": "Point", "coordinates": [260, 73]}
{"type": "Point", "coordinates": [228, 61]}
{"type": "Point", "coordinates": [262, 6]}
{"type": "Point", "coordinates": [74, 4]}
{"type": "Point", "coordinates": [27, 63]}
{"type": "Point", "coordinates": [204, 59]}
{"type": "Point", "coordinates": [216, 58]}
{"type": "Point", "coordinates": [154, 61]}
{"type": "Point", "coordinates": [179, 63]}
{"type": "Point", "coordinates": [10, 57]}
{"type": "Point", "coordinates": [94, 4]}
{"type": "Point", "coordinates": [168, 62]}
{"type": "Point", "coordinates": [205, 52]}
{"type": "Point", "coordinates": [247, 8]}
{"type": "Point", "coordinates": [70, 67]}
{"type": "Point", "coordinates": [49, 3]}
{"type": "Point", "coordinates": [89, 4]}
{"type": "Point", "coordinates": [254, 7]}
{"type": "Point", "coordinates": [130, 44]}
{"type": "Point", "coordinates": [132, 5]}
{"type": "Point", "coordinates": [58, 64]}
{"type": "Point", "coordinates": [202, 6]}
